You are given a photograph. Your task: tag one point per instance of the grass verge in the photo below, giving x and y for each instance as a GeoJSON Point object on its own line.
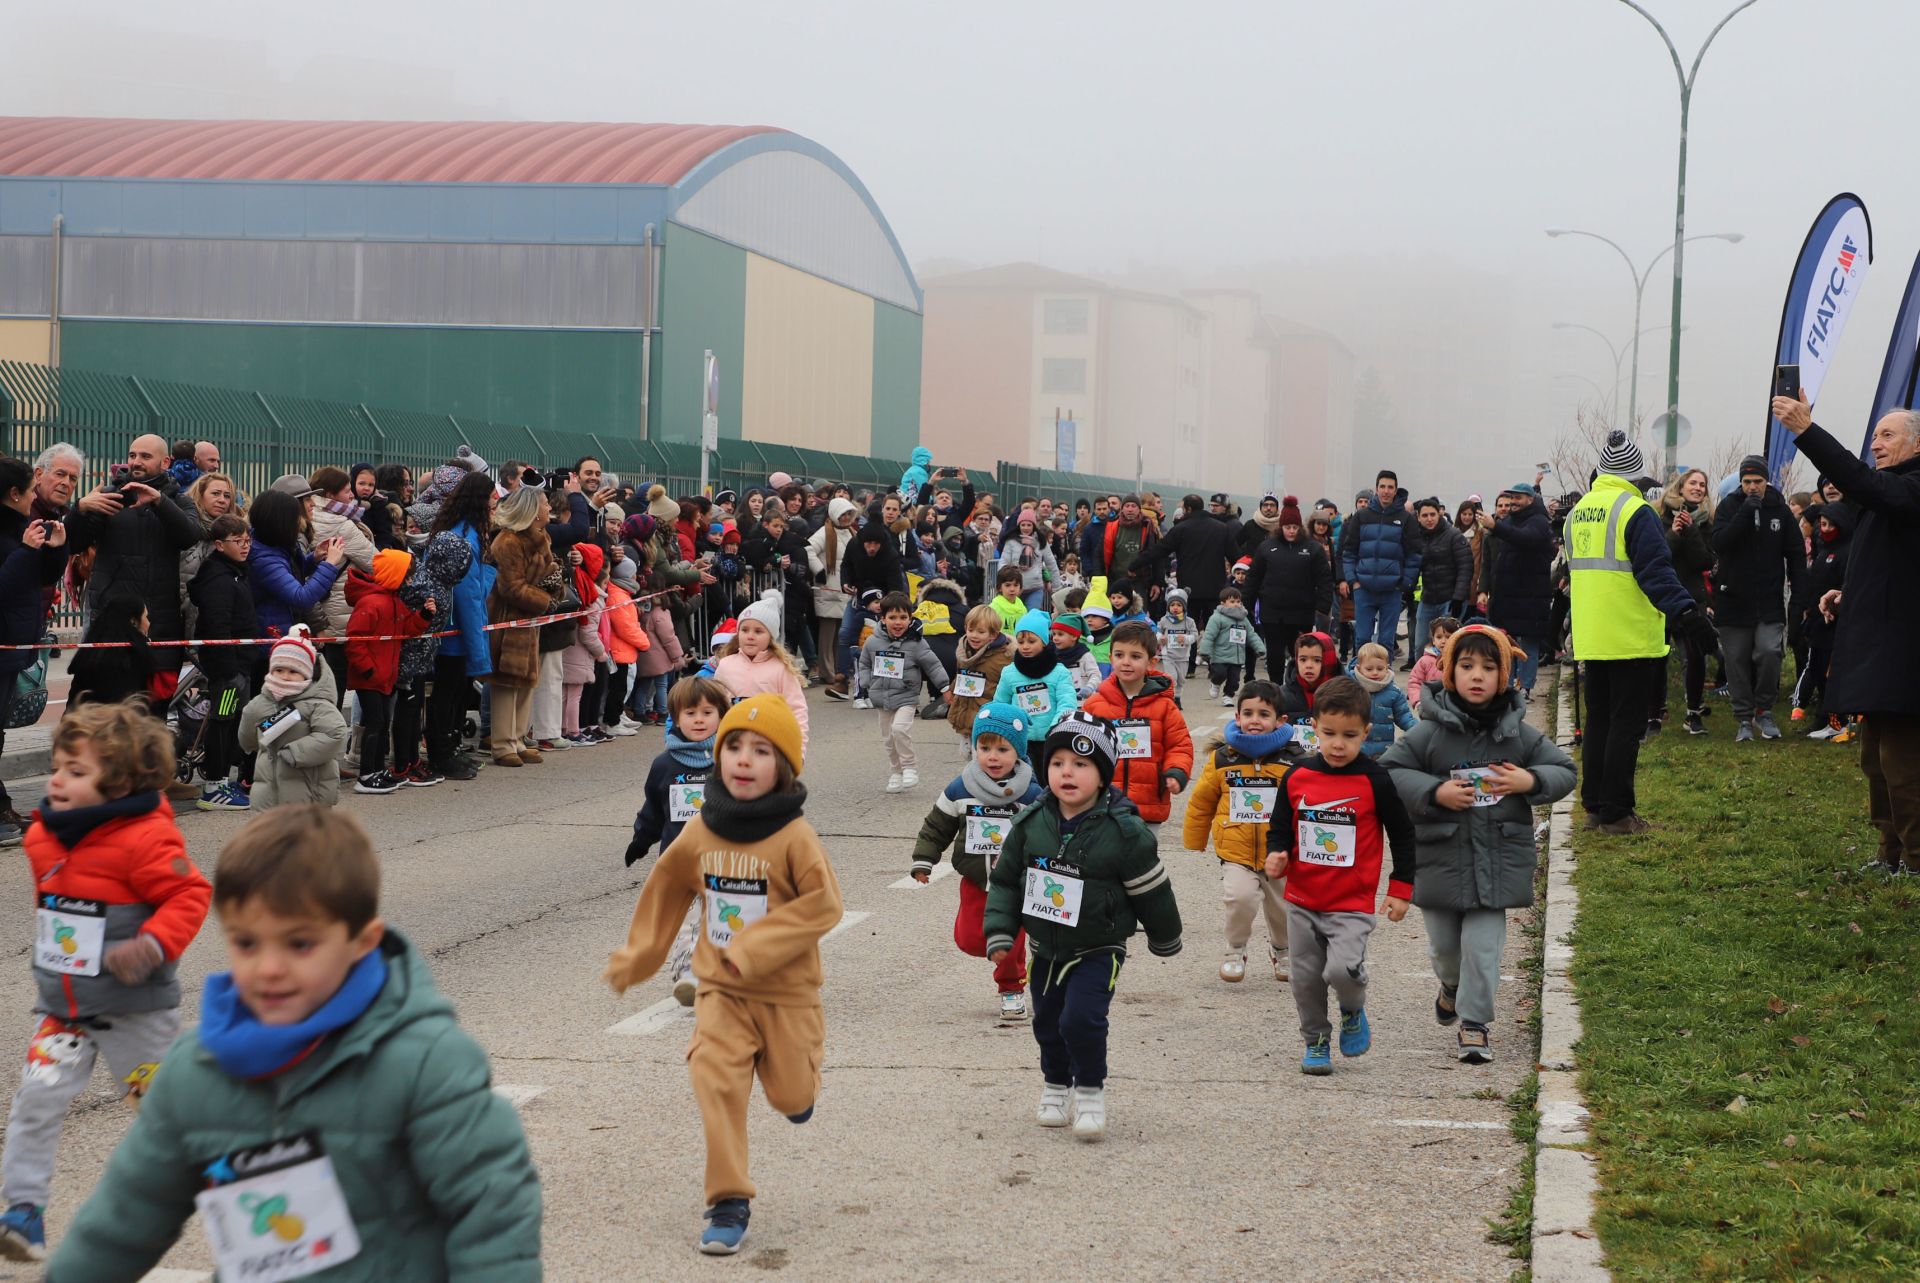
{"type": "Point", "coordinates": [1752, 1052]}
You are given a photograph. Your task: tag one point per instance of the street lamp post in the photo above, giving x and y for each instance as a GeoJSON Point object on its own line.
{"type": "Point", "coordinates": [1686, 79]}
{"type": "Point", "coordinates": [1618, 354]}
{"type": "Point", "coordinates": [1639, 293]}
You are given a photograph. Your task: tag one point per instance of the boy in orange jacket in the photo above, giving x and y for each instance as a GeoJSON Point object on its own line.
{"type": "Point", "coordinates": [1156, 752]}
{"type": "Point", "coordinates": [117, 902]}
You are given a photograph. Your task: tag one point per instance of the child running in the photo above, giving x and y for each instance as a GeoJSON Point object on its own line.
{"type": "Point", "coordinates": [1427, 668]}
{"type": "Point", "coordinates": [767, 894]}
{"type": "Point", "coordinates": [755, 662]}
{"type": "Point", "coordinates": [1079, 869]}
{"type": "Point", "coordinates": [117, 902]}
{"type": "Point", "coordinates": [973, 815]}
{"type": "Point", "coordinates": [1234, 805]}
{"type": "Point", "coordinates": [1007, 602]}
{"type": "Point", "coordinates": [1067, 634]}
{"type": "Point", "coordinates": [1313, 656]}
{"type": "Point", "coordinates": [983, 653]}
{"type": "Point", "coordinates": [1326, 843]}
{"type": "Point", "coordinates": [896, 659]}
{"type": "Point", "coordinates": [1230, 645]}
{"type": "Point", "coordinates": [1473, 770]}
{"type": "Point", "coordinates": [1097, 610]}
{"type": "Point", "coordinates": [1179, 635]}
{"type": "Point", "coordinates": [1155, 748]}
{"type": "Point", "coordinates": [328, 1109]}
{"type": "Point", "coordinates": [1373, 669]}
{"type": "Point", "coordinates": [1034, 682]}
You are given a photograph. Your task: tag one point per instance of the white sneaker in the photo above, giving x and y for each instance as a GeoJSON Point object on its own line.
{"type": "Point", "coordinates": [1234, 969]}
{"type": "Point", "coordinates": [1053, 1106]}
{"type": "Point", "coordinates": [1278, 957]}
{"type": "Point", "coordinates": [863, 702]}
{"type": "Point", "coordinates": [909, 779]}
{"type": "Point", "coordinates": [1013, 1008]}
{"type": "Point", "coordinates": [1089, 1112]}
{"type": "Point", "coordinates": [1213, 690]}
{"type": "Point", "coordinates": [895, 782]}
{"type": "Point", "coordinates": [619, 728]}
{"type": "Point", "coordinates": [1227, 700]}
{"type": "Point", "coordinates": [627, 720]}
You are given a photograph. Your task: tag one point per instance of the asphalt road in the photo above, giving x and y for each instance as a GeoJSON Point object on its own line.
{"type": "Point", "coordinates": [923, 1160]}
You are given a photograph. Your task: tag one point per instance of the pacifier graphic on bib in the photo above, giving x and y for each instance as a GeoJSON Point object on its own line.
{"type": "Point", "coordinates": [1325, 839]}
{"type": "Point", "coordinates": [1251, 799]}
{"type": "Point", "coordinates": [270, 1216]}
{"type": "Point", "coordinates": [1056, 892]}
{"type": "Point", "coordinates": [63, 936]}
{"type": "Point", "coordinates": [729, 915]}
{"type": "Point", "coordinates": [993, 833]}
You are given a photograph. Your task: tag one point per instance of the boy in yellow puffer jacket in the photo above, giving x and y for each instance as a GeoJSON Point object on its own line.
{"type": "Point", "coordinates": [1238, 789]}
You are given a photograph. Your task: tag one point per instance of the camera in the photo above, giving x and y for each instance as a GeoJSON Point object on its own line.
{"type": "Point", "coordinates": [118, 475]}
{"type": "Point", "coordinates": [557, 478]}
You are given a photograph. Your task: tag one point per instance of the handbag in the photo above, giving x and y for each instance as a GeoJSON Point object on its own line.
{"type": "Point", "coordinates": [29, 697]}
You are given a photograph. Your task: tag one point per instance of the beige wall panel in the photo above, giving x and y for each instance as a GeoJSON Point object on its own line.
{"type": "Point", "coordinates": [808, 376]}
{"type": "Point", "coordinates": [23, 341]}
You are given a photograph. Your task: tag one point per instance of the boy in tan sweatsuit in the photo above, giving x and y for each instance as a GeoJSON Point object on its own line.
{"type": "Point", "coordinates": [768, 894]}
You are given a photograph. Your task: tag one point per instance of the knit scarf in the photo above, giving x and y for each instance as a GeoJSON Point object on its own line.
{"type": "Point", "coordinates": [1266, 523]}
{"type": "Point", "coordinates": [1036, 665]}
{"type": "Point", "coordinates": [755, 821]}
{"type": "Point", "coordinates": [1372, 685]}
{"type": "Point", "coordinates": [987, 789]}
{"type": "Point", "coordinates": [283, 688]}
{"type": "Point", "coordinates": [72, 825]}
{"type": "Point", "coordinates": [347, 508]}
{"type": "Point", "coordinates": [695, 755]}
{"type": "Point", "coordinates": [1258, 746]}
{"type": "Point", "coordinates": [248, 1049]}
{"type": "Point", "coordinates": [1071, 655]}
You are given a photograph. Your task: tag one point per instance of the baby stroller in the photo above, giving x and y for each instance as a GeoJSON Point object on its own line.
{"type": "Point", "coordinates": [188, 713]}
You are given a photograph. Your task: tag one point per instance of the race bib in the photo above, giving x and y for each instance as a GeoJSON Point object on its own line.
{"type": "Point", "coordinates": [1303, 736]}
{"type": "Point", "coordinates": [275, 1212]}
{"type": "Point", "coordinates": [1054, 895]}
{"type": "Point", "coordinates": [70, 935]}
{"type": "Point", "coordinates": [1327, 838]}
{"type": "Point", "coordinates": [1135, 737]}
{"type": "Point", "coordinates": [1236, 636]}
{"type": "Point", "coordinates": [987, 829]}
{"type": "Point", "coordinates": [278, 725]}
{"type": "Point", "coordinates": [733, 905]}
{"type": "Point", "coordinates": [890, 664]}
{"type": "Point", "coordinates": [686, 794]}
{"type": "Point", "coordinates": [1034, 700]}
{"type": "Point", "coordinates": [1252, 799]}
{"type": "Point", "coordinates": [970, 685]}
{"type": "Point", "coordinates": [1476, 776]}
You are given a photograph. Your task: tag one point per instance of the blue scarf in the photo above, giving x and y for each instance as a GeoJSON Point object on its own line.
{"type": "Point", "coordinates": [695, 755]}
{"type": "Point", "coordinates": [1258, 746]}
{"type": "Point", "coordinates": [247, 1049]}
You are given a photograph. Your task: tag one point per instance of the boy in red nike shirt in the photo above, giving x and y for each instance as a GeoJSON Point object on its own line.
{"type": "Point", "coordinates": [1326, 842]}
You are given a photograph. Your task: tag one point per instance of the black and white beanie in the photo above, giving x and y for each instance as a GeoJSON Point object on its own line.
{"type": "Point", "coordinates": [1083, 735]}
{"type": "Point", "coordinates": [1622, 457]}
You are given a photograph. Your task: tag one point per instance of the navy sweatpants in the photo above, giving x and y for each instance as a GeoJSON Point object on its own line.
{"type": "Point", "coordinates": [1070, 1001]}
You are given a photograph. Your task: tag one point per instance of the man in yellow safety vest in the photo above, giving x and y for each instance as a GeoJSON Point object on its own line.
{"type": "Point", "coordinates": [1623, 590]}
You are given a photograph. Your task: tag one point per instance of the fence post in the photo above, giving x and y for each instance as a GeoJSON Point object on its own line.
{"type": "Point", "coordinates": [380, 436]}
{"type": "Point", "coordinates": [153, 411]}
{"type": "Point", "coordinates": [464, 438]}
{"type": "Point", "coordinates": [539, 449]}
{"type": "Point", "coordinates": [279, 431]}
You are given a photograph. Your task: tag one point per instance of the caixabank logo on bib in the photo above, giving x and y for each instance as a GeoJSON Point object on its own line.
{"type": "Point", "coordinates": [1839, 281]}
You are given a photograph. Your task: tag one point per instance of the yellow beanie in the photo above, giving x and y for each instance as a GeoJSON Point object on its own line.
{"type": "Point", "coordinates": [766, 715]}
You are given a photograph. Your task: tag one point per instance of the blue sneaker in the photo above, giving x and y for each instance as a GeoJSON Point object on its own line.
{"type": "Point", "coordinates": [726, 1227]}
{"type": "Point", "coordinates": [227, 795]}
{"type": "Point", "coordinates": [1319, 1058]}
{"type": "Point", "coordinates": [23, 1234]}
{"type": "Point", "coordinates": [1355, 1036]}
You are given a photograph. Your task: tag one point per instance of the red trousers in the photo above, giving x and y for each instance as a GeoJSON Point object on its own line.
{"type": "Point", "coordinates": [970, 933]}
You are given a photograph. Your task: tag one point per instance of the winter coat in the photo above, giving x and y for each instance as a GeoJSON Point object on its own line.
{"type": "Point", "coordinates": [377, 612]}
{"type": "Point", "coordinates": [127, 854]}
{"type": "Point", "coordinates": [1483, 857]}
{"type": "Point", "coordinates": [433, 1165]}
{"type": "Point", "coordinates": [1178, 638]}
{"type": "Point", "coordinates": [140, 548]}
{"type": "Point", "coordinates": [627, 629]}
{"type": "Point", "coordinates": [1521, 600]}
{"type": "Point", "coordinates": [450, 572]}
{"type": "Point", "coordinates": [1446, 562]}
{"type": "Point", "coordinates": [1760, 558]}
{"type": "Point", "coordinates": [767, 675]}
{"type": "Point", "coordinates": [1084, 666]}
{"type": "Point", "coordinates": [947, 825]}
{"type": "Point", "coordinates": [1873, 669]}
{"type": "Point", "coordinates": [1290, 582]}
{"type": "Point", "coordinates": [1316, 801]}
{"type": "Point", "coordinates": [1825, 573]}
{"type": "Point", "coordinates": [1170, 747]}
{"type": "Point", "coordinates": [1210, 809]}
{"type": "Point", "coordinates": [666, 654]}
{"type": "Point", "coordinates": [1377, 547]}
{"type": "Point", "coordinates": [1425, 669]}
{"type": "Point", "coordinates": [192, 558]}
{"type": "Point", "coordinates": [1205, 546]}
{"type": "Point", "coordinates": [1252, 534]}
{"type": "Point", "coordinates": [357, 543]}
{"type": "Point", "coordinates": [829, 602]}
{"type": "Point", "coordinates": [983, 667]}
{"type": "Point", "coordinates": [302, 764]}
{"type": "Point", "coordinates": [1123, 886]}
{"type": "Point", "coordinates": [859, 571]}
{"type": "Point", "coordinates": [1110, 561]}
{"type": "Point", "coordinates": [288, 585]}
{"type": "Point", "coordinates": [1035, 562]}
{"type": "Point", "coordinates": [222, 594]}
{"type": "Point", "coordinates": [1391, 710]}
{"type": "Point", "coordinates": [1046, 699]}
{"type": "Point", "coordinates": [524, 562]}
{"type": "Point", "coordinates": [24, 572]}
{"type": "Point", "coordinates": [654, 822]}
{"type": "Point", "coordinates": [1010, 610]}
{"type": "Point", "coordinates": [1217, 645]}
{"type": "Point", "coordinates": [916, 660]}
{"type": "Point", "coordinates": [1691, 549]}
{"type": "Point", "coordinates": [577, 660]}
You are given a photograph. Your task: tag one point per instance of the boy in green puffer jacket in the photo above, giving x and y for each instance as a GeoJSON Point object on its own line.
{"type": "Point", "coordinates": [1080, 871]}
{"type": "Point", "coordinates": [327, 1109]}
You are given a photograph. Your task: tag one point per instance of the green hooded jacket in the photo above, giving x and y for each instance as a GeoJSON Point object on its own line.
{"type": "Point", "coordinates": [433, 1165]}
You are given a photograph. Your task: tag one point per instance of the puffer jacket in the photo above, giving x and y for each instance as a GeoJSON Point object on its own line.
{"type": "Point", "coordinates": [970, 667]}
{"type": "Point", "coordinates": [1377, 547]}
{"type": "Point", "coordinates": [1216, 641]}
{"type": "Point", "coordinates": [1446, 562]}
{"type": "Point", "coordinates": [24, 572]}
{"type": "Point", "coordinates": [1170, 746]}
{"type": "Point", "coordinates": [1521, 599]}
{"type": "Point", "coordinates": [628, 633]}
{"type": "Point", "coordinates": [357, 542]}
{"type": "Point", "coordinates": [126, 856]}
{"type": "Point", "coordinates": [303, 764]}
{"type": "Point", "coordinates": [1291, 582]}
{"type": "Point", "coordinates": [1210, 809]}
{"type": "Point", "coordinates": [1761, 557]}
{"type": "Point", "coordinates": [375, 665]}
{"type": "Point", "coordinates": [1483, 857]}
{"type": "Point", "coordinates": [916, 658]}
{"type": "Point", "coordinates": [140, 547]}
{"type": "Point", "coordinates": [433, 1165]}
{"type": "Point", "coordinates": [223, 607]}
{"type": "Point", "coordinates": [287, 586]}
{"type": "Point", "coordinates": [992, 808]}
{"type": "Point", "coordinates": [447, 574]}
{"type": "Point", "coordinates": [666, 654]}
{"type": "Point", "coordinates": [1692, 548]}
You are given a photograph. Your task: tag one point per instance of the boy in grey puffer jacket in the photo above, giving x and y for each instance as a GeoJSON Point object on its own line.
{"type": "Point", "coordinates": [895, 659]}
{"type": "Point", "coordinates": [1230, 645]}
{"type": "Point", "coordinates": [294, 728]}
{"type": "Point", "coordinates": [1470, 774]}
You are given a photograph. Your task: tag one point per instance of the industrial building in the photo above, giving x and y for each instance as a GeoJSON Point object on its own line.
{"type": "Point", "coordinates": [569, 276]}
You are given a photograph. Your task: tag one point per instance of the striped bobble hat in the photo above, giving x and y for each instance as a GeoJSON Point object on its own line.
{"type": "Point", "coordinates": [1621, 458]}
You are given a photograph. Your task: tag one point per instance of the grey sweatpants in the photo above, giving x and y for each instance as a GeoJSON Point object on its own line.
{"type": "Point", "coordinates": [1465, 945]}
{"type": "Point", "coordinates": [1328, 949]}
{"type": "Point", "coordinates": [60, 1061]}
{"type": "Point", "coordinates": [1753, 667]}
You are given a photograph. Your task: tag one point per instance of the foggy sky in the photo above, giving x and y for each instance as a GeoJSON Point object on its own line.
{"type": "Point", "coordinates": [1382, 168]}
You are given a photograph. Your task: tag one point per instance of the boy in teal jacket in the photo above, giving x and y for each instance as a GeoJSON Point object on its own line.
{"type": "Point", "coordinates": [328, 1107]}
{"type": "Point", "coordinates": [1080, 871]}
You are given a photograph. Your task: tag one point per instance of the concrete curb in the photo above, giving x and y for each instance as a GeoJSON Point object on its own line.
{"type": "Point", "coordinates": [1565, 1248]}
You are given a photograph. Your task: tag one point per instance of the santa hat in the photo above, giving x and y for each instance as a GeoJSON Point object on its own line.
{"type": "Point", "coordinates": [723, 633]}
{"type": "Point", "coordinates": [767, 612]}
{"type": "Point", "coordinates": [294, 651]}
{"type": "Point", "coordinates": [1290, 512]}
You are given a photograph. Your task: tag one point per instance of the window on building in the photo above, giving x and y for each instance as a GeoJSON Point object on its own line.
{"type": "Point", "coordinates": [1064, 316]}
{"type": "Point", "coordinates": [1063, 374]}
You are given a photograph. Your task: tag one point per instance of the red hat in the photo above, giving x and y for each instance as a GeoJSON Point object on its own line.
{"type": "Point", "coordinates": [724, 632]}
{"type": "Point", "coordinates": [1290, 512]}
{"type": "Point", "coordinates": [1245, 563]}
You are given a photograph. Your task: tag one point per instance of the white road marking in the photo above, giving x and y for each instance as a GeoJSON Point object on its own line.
{"type": "Point", "coordinates": [852, 917]}
{"type": "Point", "coordinates": [1446, 1125]}
{"type": "Point", "coordinates": [517, 1094]}
{"type": "Point", "coordinates": [176, 1276]}
{"type": "Point", "coordinates": [668, 1011]}
{"type": "Point", "coordinates": [942, 870]}
{"type": "Point", "coordinates": [1428, 975]}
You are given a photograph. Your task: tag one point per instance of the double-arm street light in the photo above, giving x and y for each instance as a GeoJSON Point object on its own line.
{"type": "Point", "coordinates": [1613, 349]}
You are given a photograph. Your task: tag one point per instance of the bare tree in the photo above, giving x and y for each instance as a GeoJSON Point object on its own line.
{"type": "Point", "coordinates": [1575, 453]}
